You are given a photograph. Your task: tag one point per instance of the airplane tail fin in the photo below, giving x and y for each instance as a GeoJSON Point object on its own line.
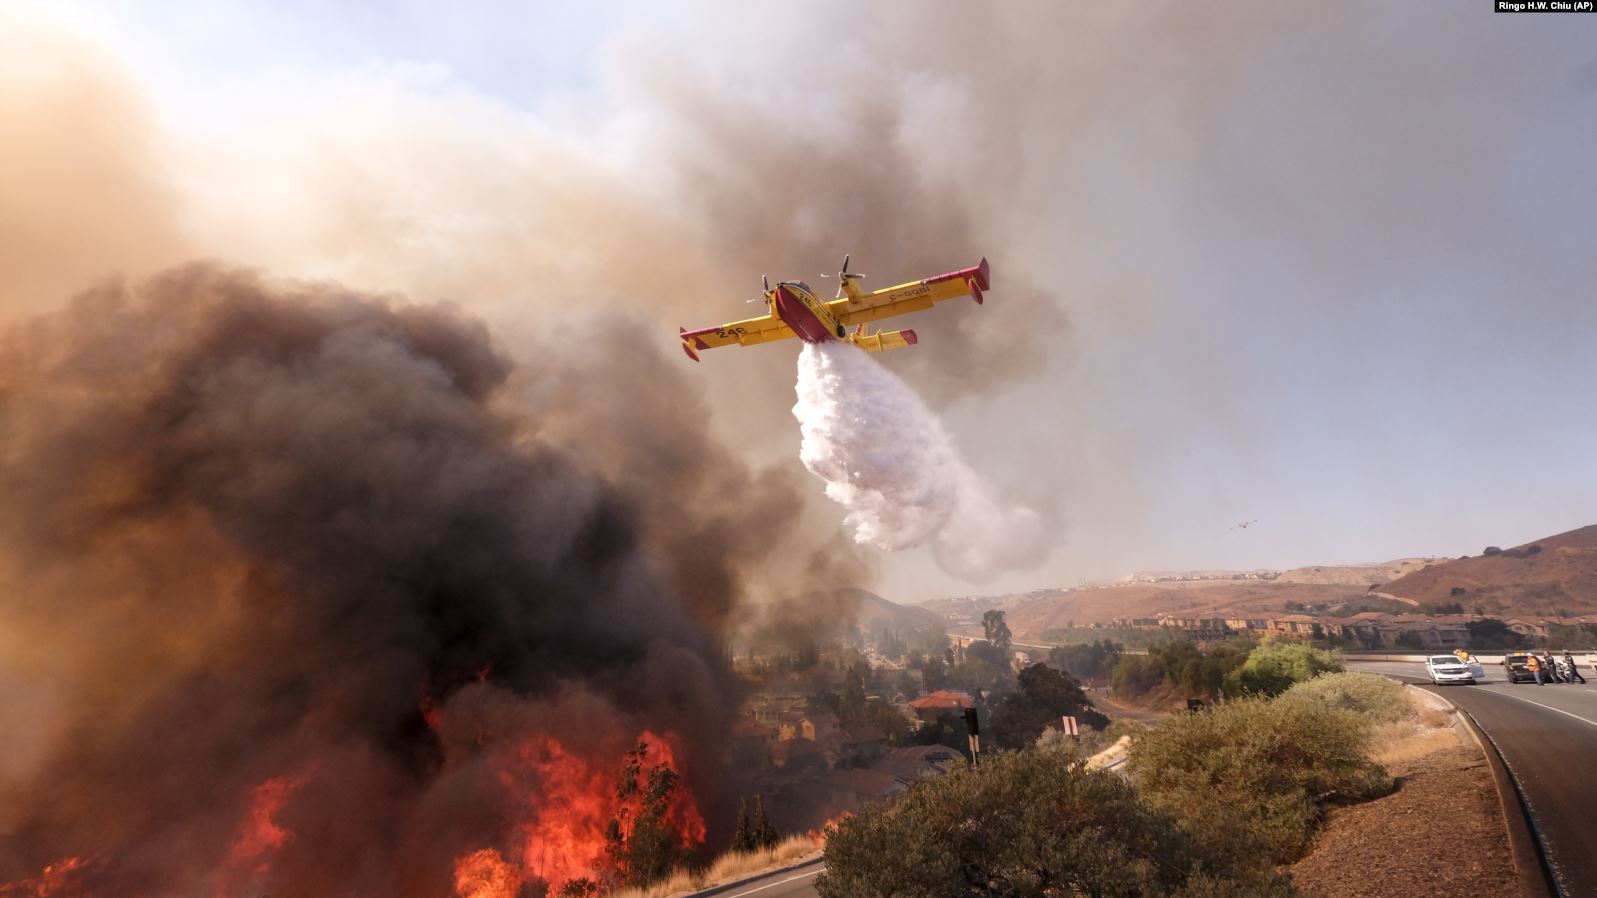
{"type": "Point", "coordinates": [881, 342]}
{"type": "Point", "coordinates": [687, 344]}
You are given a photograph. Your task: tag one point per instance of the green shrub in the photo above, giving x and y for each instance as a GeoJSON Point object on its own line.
{"type": "Point", "coordinates": [1026, 824]}
{"type": "Point", "coordinates": [1088, 660]}
{"type": "Point", "coordinates": [1376, 699]}
{"type": "Point", "coordinates": [1247, 776]}
{"type": "Point", "coordinates": [1274, 665]}
{"type": "Point", "coordinates": [1135, 675]}
{"type": "Point", "coordinates": [1042, 696]}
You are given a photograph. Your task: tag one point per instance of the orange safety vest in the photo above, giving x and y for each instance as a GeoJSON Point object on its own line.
{"type": "Point", "coordinates": [1532, 664]}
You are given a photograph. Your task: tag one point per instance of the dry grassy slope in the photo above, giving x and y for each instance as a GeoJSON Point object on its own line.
{"type": "Point", "coordinates": [1089, 606]}
{"type": "Point", "coordinates": [1563, 575]}
{"type": "Point", "coordinates": [1361, 575]}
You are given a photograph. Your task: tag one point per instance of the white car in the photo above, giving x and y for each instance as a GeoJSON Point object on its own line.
{"type": "Point", "coordinates": [1448, 669]}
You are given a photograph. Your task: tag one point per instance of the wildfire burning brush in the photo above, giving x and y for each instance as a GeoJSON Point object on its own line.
{"type": "Point", "coordinates": [299, 605]}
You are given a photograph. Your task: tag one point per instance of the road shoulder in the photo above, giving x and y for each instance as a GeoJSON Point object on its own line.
{"type": "Point", "coordinates": [1444, 826]}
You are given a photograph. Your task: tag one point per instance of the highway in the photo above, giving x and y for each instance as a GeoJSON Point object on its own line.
{"type": "Point", "coordinates": [1546, 735]}
{"type": "Point", "coordinates": [794, 882]}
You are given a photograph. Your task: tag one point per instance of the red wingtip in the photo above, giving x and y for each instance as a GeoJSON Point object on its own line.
{"type": "Point", "coordinates": [984, 275]}
{"type": "Point", "coordinates": [687, 347]}
{"type": "Point", "coordinates": [910, 338]}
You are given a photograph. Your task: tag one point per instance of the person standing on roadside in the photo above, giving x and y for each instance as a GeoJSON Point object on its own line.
{"type": "Point", "coordinates": [1534, 665]}
{"type": "Point", "coordinates": [1574, 670]}
{"type": "Point", "coordinates": [1551, 667]}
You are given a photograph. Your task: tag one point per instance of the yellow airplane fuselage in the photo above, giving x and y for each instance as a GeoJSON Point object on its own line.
{"type": "Point", "coordinates": [794, 311]}
{"type": "Point", "coordinates": [809, 318]}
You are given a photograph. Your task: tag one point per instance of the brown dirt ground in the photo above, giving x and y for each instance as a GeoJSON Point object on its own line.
{"type": "Point", "coordinates": [1442, 827]}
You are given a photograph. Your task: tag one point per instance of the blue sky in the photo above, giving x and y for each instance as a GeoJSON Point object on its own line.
{"type": "Point", "coordinates": [1329, 270]}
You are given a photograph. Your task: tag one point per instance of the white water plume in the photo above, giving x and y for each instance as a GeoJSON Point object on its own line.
{"type": "Point", "coordinates": [887, 459]}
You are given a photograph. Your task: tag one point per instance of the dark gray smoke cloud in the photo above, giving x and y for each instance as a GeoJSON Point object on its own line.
{"type": "Point", "coordinates": [255, 531]}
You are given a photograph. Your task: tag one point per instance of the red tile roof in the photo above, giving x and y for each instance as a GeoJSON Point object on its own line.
{"type": "Point", "coordinates": [941, 699]}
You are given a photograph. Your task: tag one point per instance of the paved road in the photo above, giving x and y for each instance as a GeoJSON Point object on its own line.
{"type": "Point", "coordinates": [794, 883]}
{"type": "Point", "coordinates": [1548, 738]}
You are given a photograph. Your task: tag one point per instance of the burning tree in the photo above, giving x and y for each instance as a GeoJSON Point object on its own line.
{"type": "Point", "coordinates": [640, 838]}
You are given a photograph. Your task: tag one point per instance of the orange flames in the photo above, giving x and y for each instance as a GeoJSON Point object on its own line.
{"type": "Point", "coordinates": [54, 882]}
{"type": "Point", "coordinates": [260, 837]}
{"type": "Point", "coordinates": [566, 802]}
{"type": "Point", "coordinates": [561, 804]}
{"type": "Point", "coordinates": [820, 834]}
{"type": "Point", "coordinates": [486, 874]}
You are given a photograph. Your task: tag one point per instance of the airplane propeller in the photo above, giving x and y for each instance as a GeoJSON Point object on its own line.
{"type": "Point", "coordinates": [766, 282]}
{"type": "Point", "coordinates": [843, 277]}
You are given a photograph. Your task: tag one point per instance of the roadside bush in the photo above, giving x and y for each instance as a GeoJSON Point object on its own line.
{"type": "Point", "coordinates": [1274, 665]}
{"type": "Point", "coordinates": [1088, 660]}
{"type": "Point", "coordinates": [1248, 776]}
{"type": "Point", "coordinates": [1042, 696]}
{"type": "Point", "coordinates": [1090, 742]}
{"type": "Point", "coordinates": [1026, 824]}
{"type": "Point", "coordinates": [1376, 700]}
{"type": "Point", "coordinates": [1135, 675]}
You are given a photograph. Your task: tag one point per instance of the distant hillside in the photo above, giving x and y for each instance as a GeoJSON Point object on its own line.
{"type": "Point", "coordinates": [1101, 604]}
{"type": "Point", "coordinates": [1546, 576]}
{"type": "Point", "coordinates": [1364, 575]}
{"type": "Point", "coordinates": [875, 611]}
{"type": "Point", "coordinates": [819, 616]}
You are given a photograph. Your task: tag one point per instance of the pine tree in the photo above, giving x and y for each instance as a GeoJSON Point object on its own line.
{"type": "Point", "coordinates": [743, 840]}
{"type": "Point", "coordinates": [852, 707]}
{"type": "Point", "coordinates": [764, 832]}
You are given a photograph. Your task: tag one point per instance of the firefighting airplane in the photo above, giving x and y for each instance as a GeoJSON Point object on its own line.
{"type": "Point", "coordinates": [795, 312]}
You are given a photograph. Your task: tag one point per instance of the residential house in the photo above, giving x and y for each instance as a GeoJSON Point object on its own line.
{"type": "Point", "coordinates": [861, 745]}
{"type": "Point", "coordinates": [821, 727]}
{"type": "Point", "coordinates": [789, 725]}
{"type": "Point", "coordinates": [917, 762]}
{"type": "Point", "coordinates": [794, 755]}
{"type": "Point", "coordinates": [751, 742]}
{"type": "Point", "coordinates": [933, 705]}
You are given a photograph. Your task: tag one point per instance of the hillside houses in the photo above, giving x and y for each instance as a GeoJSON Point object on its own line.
{"type": "Point", "coordinates": [1371, 629]}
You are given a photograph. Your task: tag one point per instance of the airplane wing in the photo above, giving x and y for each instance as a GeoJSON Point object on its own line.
{"type": "Point", "coordinates": [747, 332]}
{"type": "Point", "coordinates": [913, 296]}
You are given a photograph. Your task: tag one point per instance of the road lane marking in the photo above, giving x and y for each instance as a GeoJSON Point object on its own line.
{"type": "Point", "coordinates": [1527, 701]}
{"type": "Point", "coordinates": [773, 885]}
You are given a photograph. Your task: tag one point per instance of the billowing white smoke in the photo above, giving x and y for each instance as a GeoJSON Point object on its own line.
{"type": "Point", "coordinates": [886, 458]}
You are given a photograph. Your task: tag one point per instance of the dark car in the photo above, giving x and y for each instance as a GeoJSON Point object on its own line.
{"type": "Point", "coordinates": [1515, 668]}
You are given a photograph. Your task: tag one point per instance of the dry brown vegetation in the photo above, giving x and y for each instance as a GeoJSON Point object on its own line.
{"type": "Point", "coordinates": [1360, 575]}
{"type": "Point", "coordinates": [1439, 771]}
{"type": "Point", "coordinates": [728, 867]}
{"type": "Point", "coordinates": [1539, 577]}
